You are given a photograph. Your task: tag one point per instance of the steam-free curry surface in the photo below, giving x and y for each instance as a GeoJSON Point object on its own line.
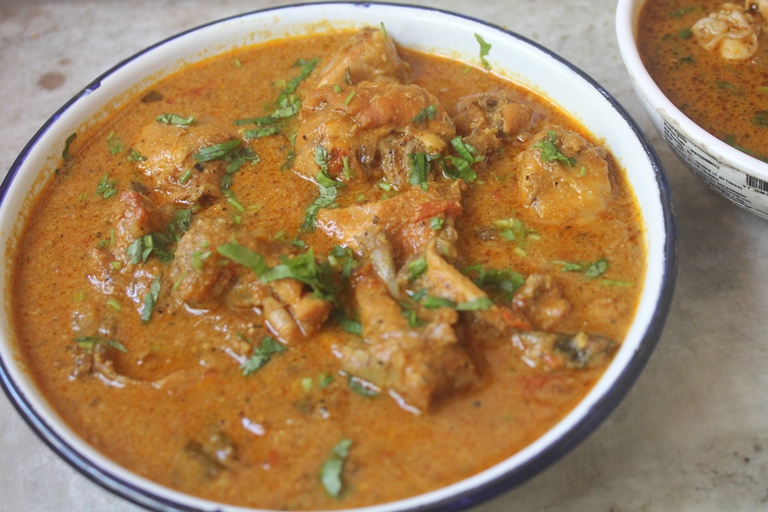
{"type": "Point", "coordinates": [190, 364]}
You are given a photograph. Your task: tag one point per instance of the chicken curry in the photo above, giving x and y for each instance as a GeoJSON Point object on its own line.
{"type": "Point", "coordinates": [710, 58]}
{"type": "Point", "coordinates": [325, 272]}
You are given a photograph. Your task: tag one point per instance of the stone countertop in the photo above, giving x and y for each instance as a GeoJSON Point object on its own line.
{"type": "Point", "coordinates": [692, 434]}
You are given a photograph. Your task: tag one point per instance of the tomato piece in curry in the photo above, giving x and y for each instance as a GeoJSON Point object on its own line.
{"type": "Point", "coordinates": [325, 272]}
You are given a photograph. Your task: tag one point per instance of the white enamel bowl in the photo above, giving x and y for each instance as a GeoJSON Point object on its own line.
{"type": "Point", "coordinates": [740, 178]}
{"type": "Point", "coordinates": [414, 27]}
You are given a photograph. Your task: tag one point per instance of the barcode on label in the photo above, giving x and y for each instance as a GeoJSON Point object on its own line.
{"type": "Point", "coordinates": [757, 183]}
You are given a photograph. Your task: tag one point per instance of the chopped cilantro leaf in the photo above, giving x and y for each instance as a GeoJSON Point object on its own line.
{"type": "Point", "coordinates": [262, 355]}
{"type": "Point", "coordinates": [425, 113]}
{"type": "Point", "coordinates": [175, 120]}
{"type": "Point", "coordinates": [485, 49]}
{"type": "Point", "coordinates": [462, 164]}
{"type": "Point", "coordinates": [304, 268]}
{"type": "Point", "coordinates": [217, 151]}
{"type": "Point", "coordinates": [416, 268]}
{"type": "Point", "coordinates": [261, 132]}
{"type": "Point", "coordinates": [89, 343]}
{"type": "Point", "coordinates": [106, 188]}
{"type": "Point", "coordinates": [244, 256]}
{"type": "Point", "coordinates": [550, 152]}
{"type": "Point", "coordinates": [150, 299]}
{"type": "Point", "coordinates": [331, 471]}
{"type": "Point", "coordinates": [135, 156]}
{"type": "Point", "coordinates": [362, 387]}
{"type": "Point", "coordinates": [506, 280]}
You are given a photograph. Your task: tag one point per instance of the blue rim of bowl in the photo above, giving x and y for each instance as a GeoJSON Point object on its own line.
{"type": "Point", "coordinates": [460, 501]}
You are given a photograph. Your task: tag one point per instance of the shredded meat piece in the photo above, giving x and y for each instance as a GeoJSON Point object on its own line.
{"type": "Point", "coordinates": [371, 125]}
{"type": "Point", "coordinates": [417, 363]}
{"type": "Point", "coordinates": [169, 152]}
{"type": "Point", "coordinates": [369, 55]}
{"type": "Point", "coordinates": [541, 299]}
{"type": "Point", "coordinates": [485, 119]}
{"type": "Point", "coordinates": [556, 192]}
{"type": "Point", "coordinates": [552, 351]}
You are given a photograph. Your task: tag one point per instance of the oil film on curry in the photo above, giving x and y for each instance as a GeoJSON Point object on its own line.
{"type": "Point", "coordinates": [326, 272]}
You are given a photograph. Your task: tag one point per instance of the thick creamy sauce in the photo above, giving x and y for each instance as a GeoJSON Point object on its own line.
{"type": "Point", "coordinates": [281, 422]}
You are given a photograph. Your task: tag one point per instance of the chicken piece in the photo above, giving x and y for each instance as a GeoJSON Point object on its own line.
{"type": "Point", "coordinates": [201, 273]}
{"type": "Point", "coordinates": [169, 159]}
{"type": "Point", "coordinates": [541, 300]}
{"type": "Point", "coordinates": [445, 281]}
{"type": "Point", "coordinates": [308, 312]}
{"type": "Point", "coordinates": [374, 127]}
{"type": "Point", "coordinates": [404, 219]}
{"type": "Point", "coordinates": [552, 351]}
{"type": "Point", "coordinates": [369, 55]}
{"type": "Point", "coordinates": [206, 278]}
{"type": "Point", "coordinates": [563, 178]}
{"type": "Point", "coordinates": [136, 216]}
{"type": "Point", "coordinates": [733, 31]}
{"type": "Point", "coordinates": [416, 363]}
{"type": "Point", "coordinates": [486, 119]}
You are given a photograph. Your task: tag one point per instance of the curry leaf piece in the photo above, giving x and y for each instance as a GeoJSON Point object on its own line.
{"type": "Point", "coordinates": [550, 152]}
{"type": "Point", "coordinates": [331, 471]}
{"type": "Point", "coordinates": [425, 113]}
{"type": "Point", "coordinates": [106, 188]}
{"type": "Point", "coordinates": [485, 49]}
{"type": "Point", "coordinates": [244, 256]}
{"type": "Point", "coordinates": [304, 268]}
{"type": "Point", "coordinates": [88, 343]}
{"type": "Point", "coordinates": [262, 355]}
{"type": "Point", "coordinates": [216, 151]}
{"type": "Point", "coordinates": [175, 120]}
{"type": "Point", "coordinates": [150, 299]}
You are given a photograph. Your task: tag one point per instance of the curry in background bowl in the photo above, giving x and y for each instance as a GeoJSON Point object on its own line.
{"type": "Point", "coordinates": [700, 69]}
{"type": "Point", "coordinates": [273, 263]}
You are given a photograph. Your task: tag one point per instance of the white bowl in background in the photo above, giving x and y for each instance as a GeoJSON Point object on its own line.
{"type": "Point", "coordinates": [735, 175]}
{"type": "Point", "coordinates": [414, 27]}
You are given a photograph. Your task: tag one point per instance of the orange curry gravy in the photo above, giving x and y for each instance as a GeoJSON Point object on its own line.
{"type": "Point", "coordinates": [728, 97]}
{"type": "Point", "coordinates": [167, 398]}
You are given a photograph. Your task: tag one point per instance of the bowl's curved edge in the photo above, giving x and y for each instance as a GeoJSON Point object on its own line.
{"type": "Point", "coordinates": [472, 497]}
